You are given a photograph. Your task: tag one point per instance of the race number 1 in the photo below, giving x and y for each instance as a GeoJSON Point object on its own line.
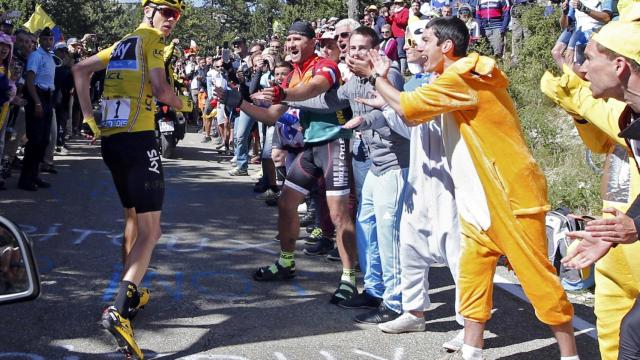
{"type": "Point", "coordinates": [116, 113]}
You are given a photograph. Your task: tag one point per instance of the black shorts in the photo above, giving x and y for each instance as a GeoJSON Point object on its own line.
{"type": "Point", "coordinates": [331, 160]}
{"type": "Point", "coordinates": [134, 161]}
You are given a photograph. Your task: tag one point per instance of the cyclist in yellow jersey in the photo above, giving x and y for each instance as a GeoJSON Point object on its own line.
{"type": "Point", "coordinates": [135, 76]}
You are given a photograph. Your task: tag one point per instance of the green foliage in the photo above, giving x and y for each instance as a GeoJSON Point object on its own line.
{"type": "Point", "coordinates": [549, 131]}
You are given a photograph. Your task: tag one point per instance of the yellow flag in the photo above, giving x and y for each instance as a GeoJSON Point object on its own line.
{"type": "Point", "coordinates": [39, 20]}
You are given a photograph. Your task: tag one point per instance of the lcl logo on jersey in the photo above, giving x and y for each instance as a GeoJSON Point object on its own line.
{"type": "Point", "coordinates": [125, 55]}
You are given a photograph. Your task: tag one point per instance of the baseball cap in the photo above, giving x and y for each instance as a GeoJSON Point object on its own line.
{"type": "Point", "coordinates": [372, 8]}
{"type": "Point", "coordinates": [333, 18]}
{"type": "Point", "coordinates": [623, 36]}
{"type": "Point", "coordinates": [302, 28]}
{"type": "Point", "coordinates": [73, 41]}
{"type": "Point", "coordinates": [60, 45]}
{"type": "Point", "coordinates": [328, 35]}
{"type": "Point", "coordinates": [239, 39]}
{"type": "Point", "coordinates": [7, 22]}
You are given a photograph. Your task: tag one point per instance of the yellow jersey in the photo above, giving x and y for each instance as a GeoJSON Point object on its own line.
{"type": "Point", "coordinates": [128, 104]}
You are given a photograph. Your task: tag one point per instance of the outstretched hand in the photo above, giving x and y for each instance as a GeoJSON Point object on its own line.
{"type": "Point", "coordinates": [229, 97]}
{"type": "Point", "coordinates": [381, 63]}
{"type": "Point", "coordinates": [619, 229]}
{"type": "Point", "coordinates": [585, 251]}
{"type": "Point", "coordinates": [376, 102]}
{"type": "Point", "coordinates": [353, 123]}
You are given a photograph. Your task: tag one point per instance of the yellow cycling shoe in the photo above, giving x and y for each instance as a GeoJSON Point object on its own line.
{"type": "Point", "coordinates": [143, 294]}
{"type": "Point", "coordinates": [122, 331]}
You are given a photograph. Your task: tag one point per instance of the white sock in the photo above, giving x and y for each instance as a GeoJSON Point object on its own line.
{"type": "Point", "coordinates": [471, 353]}
{"type": "Point", "coordinates": [575, 357]}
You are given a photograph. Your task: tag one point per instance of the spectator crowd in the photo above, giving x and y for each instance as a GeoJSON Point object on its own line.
{"type": "Point", "coordinates": [335, 115]}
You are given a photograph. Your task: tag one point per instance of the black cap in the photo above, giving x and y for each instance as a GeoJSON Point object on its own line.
{"type": "Point", "coordinates": [302, 28]}
{"type": "Point", "coordinates": [46, 32]}
{"type": "Point", "coordinates": [239, 39]}
{"type": "Point", "coordinates": [7, 22]}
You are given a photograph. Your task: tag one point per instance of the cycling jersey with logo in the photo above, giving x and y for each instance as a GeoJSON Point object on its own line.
{"type": "Point", "coordinates": [128, 104]}
{"type": "Point", "coordinates": [319, 127]}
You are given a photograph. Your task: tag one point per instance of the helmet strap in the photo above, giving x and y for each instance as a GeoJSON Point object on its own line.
{"type": "Point", "coordinates": [153, 14]}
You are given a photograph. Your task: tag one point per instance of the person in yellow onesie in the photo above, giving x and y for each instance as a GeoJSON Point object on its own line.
{"type": "Point", "coordinates": [613, 70]}
{"type": "Point", "coordinates": [501, 192]}
{"type": "Point", "coordinates": [617, 273]}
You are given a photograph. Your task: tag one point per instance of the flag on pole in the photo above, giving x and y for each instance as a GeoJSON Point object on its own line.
{"type": "Point", "coordinates": [39, 20]}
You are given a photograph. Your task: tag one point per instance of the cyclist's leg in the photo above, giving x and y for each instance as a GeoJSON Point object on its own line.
{"type": "Point", "coordinates": [130, 232]}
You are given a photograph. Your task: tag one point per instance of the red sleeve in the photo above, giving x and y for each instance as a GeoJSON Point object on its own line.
{"type": "Point", "coordinates": [287, 80]}
{"type": "Point", "coordinates": [403, 19]}
{"type": "Point", "coordinates": [329, 70]}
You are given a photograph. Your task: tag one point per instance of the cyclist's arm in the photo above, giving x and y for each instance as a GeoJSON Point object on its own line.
{"type": "Point", "coordinates": [82, 72]}
{"type": "Point", "coordinates": [160, 88]}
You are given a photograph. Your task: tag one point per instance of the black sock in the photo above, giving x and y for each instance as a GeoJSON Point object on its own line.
{"type": "Point", "coordinates": [275, 188]}
{"type": "Point", "coordinates": [124, 300]}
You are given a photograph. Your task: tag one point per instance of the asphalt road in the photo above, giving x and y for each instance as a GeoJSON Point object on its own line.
{"type": "Point", "coordinates": [203, 303]}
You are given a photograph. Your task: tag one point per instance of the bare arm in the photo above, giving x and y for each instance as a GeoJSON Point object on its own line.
{"type": "Point", "coordinates": [318, 85]}
{"type": "Point", "coordinates": [268, 116]}
{"type": "Point", "coordinates": [162, 90]}
{"type": "Point", "coordinates": [82, 72]}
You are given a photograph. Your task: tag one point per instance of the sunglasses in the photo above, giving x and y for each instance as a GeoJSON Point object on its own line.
{"type": "Point", "coordinates": [169, 13]}
{"type": "Point", "coordinates": [343, 35]}
{"type": "Point", "coordinates": [386, 32]}
{"type": "Point", "coordinates": [412, 43]}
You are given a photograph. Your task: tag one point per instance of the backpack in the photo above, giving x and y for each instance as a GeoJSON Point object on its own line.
{"type": "Point", "coordinates": [558, 224]}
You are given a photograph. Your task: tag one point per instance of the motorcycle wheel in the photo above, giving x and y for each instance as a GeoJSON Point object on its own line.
{"type": "Point", "coordinates": [168, 145]}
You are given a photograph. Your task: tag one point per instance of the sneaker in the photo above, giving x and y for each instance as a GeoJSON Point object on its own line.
{"type": "Point", "coordinates": [41, 183]}
{"type": "Point", "coordinates": [238, 172]}
{"type": "Point", "coordinates": [220, 146]}
{"type": "Point", "coordinates": [122, 331]}
{"type": "Point", "coordinates": [321, 247]}
{"type": "Point", "coordinates": [61, 150]}
{"type": "Point", "coordinates": [143, 299]}
{"type": "Point", "coordinates": [333, 255]}
{"type": "Point", "coordinates": [362, 301]}
{"type": "Point", "coordinates": [207, 139]}
{"type": "Point", "coordinates": [308, 219]}
{"type": "Point", "coordinates": [233, 161]}
{"type": "Point", "coordinates": [455, 356]}
{"type": "Point", "coordinates": [403, 324]}
{"type": "Point", "coordinates": [269, 194]}
{"type": "Point", "coordinates": [260, 186]}
{"type": "Point", "coordinates": [345, 291]}
{"type": "Point", "coordinates": [272, 201]}
{"type": "Point", "coordinates": [456, 343]}
{"type": "Point", "coordinates": [48, 168]}
{"type": "Point", "coordinates": [378, 316]}
{"type": "Point", "coordinates": [315, 235]}
{"type": "Point", "coordinates": [302, 208]}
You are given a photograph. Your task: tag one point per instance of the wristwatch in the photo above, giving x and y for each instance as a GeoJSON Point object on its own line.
{"type": "Point", "coordinates": [372, 79]}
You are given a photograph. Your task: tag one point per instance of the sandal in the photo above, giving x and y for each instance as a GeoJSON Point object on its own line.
{"type": "Point", "coordinates": [345, 291]}
{"type": "Point", "coordinates": [283, 273]}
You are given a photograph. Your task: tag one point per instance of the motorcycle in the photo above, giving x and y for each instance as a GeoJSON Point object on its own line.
{"type": "Point", "coordinates": [170, 128]}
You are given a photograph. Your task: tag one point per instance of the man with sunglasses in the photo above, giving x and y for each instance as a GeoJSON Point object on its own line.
{"type": "Point", "coordinates": [325, 153]}
{"type": "Point", "coordinates": [135, 75]}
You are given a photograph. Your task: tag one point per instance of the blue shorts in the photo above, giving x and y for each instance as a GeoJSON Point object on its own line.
{"type": "Point", "coordinates": [565, 36]}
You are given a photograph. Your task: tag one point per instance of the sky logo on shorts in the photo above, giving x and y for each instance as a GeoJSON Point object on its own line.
{"type": "Point", "coordinates": [153, 159]}
{"type": "Point", "coordinates": [125, 55]}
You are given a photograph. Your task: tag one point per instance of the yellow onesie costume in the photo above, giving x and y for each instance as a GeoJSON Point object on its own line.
{"type": "Point", "coordinates": [617, 273]}
{"type": "Point", "coordinates": [500, 190]}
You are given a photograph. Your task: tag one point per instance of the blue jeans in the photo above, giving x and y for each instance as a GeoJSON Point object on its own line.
{"type": "Point", "coordinates": [242, 130]}
{"type": "Point", "coordinates": [360, 163]}
{"type": "Point", "coordinates": [378, 235]}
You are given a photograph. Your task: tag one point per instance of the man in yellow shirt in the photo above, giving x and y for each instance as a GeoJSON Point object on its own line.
{"type": "Point", "coordinates": [501, 193]}
{"type": "Point", "coordinates": [135, 76]}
